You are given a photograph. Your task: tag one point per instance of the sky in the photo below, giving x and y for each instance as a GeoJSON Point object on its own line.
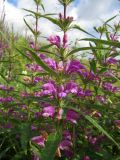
{"type": "Point", "coordinates": [86, 13]}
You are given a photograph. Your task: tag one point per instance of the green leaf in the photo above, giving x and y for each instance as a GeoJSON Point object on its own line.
{"type": "Point", "coordinates": [79, 28]}
{"type": "Point", "coordinates": [110, 19]}
{"type": "Point", "coordinates": [105, 42]}
{"type": "Point", "coordinates": [29, 27]}
{"type": "Point", "coordinates": [51, 146]}
{"type": "Point", "coordinates": [3, 153]}
{"type": "Point", "coordinates": [35, 150]}
{"type": "Point", "coordinates": [84, 49]}
{"type": "Point", "coordinates": [24, 55]}
{"type": "Point", "coordinates": [25, 134]}
{"type": "Point", "coordinates": [94, 122]}
{"type": "Point", "coordinates": [53, 20]}
{"type": "Point", "coordinates": [40, 62]}
{"type": "Point", "coordinates": [93, 65]}
{"type": "Point", "coordinates": [18, 156]}
{"type": "Point", "coordinates": [46, 47]}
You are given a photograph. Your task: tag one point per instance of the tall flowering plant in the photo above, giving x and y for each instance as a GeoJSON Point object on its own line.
{"type": "Point", "coordinates": [68, 108]}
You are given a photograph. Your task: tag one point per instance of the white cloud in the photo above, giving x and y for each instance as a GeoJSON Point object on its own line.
{"type": "Point", "coordinates": [87, 13]}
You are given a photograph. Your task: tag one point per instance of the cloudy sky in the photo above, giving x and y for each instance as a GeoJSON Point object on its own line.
{"type": "Point", "coordinates": [86, 13]}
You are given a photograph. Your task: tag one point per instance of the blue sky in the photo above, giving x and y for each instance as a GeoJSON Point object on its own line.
{"type": "Point", "coordinates": [14, 2]}
{"type": "Point", "coordinates": [86, 13]}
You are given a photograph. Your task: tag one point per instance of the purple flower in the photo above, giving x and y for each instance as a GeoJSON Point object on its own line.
{"type": "Point", "coordinates": [71, 87]}
{"type": "Point", "coordinates": [114, 37]}
{"type": "Point", "coordinates": [37, 79]}
{"type": "Point", "coordinates": [60, 113]}
{"type": "Point", "coordinates": [84, 93]}
{"type": "Point", "coordinates": [49, 88]}
{"type": "Point", "coordinates": [65, 144]}
{"type": "Point", "coordinates": [60, 66]}
{"type": "Point", "coordinates": [41, 56]}
{"type": "Point", "coordinates": [55, 40]}
{"type": "Point", "coordinates": [6, 100]}
{"type": "Point", "coordinates": [72, 116]}
{"type": "Point", "coordinates": [34, 67]}
{"type": "Point", "coordinates": [51, 63]}
{"type": "Point", "coordinates": [101, 99]}
{"type": "Point", "coordinates": [35, 157]}
{"type": "Point", "coordinates": [88, 75]}
{"type": "Point", "coordinates": [33, 127]}
{"type": "Point", "coordinates": [73, 66]}
{"type": "Point", "coordinates": [67, 135]}
{"type": "Point", "coordinates": [116, 122]}
{"type": "Point", "coordinates": [109, 87]}
{"type": "Point", "coordinates": [81, 93]}
{"type": "Point", "coordinates": [48, 111]}
{"type": "Point", "coordinates": [111, 60]}
{"type": "Point", "coordinates": [86, 158]}
{"type": "Point", "coordinates": [5, 88]}
{"type": "Point", "coordinates": [65, 40]}
{"type": "Point", "coordinates": [32, 45]}
{"type": "Point", "coordinates": [88, 93]}
{"type": "Point", "coordinates": [9, 126]}
{"type": "Point", "coordinates": [39, 140]}
{"type": "Point", "coordinates": [61, 92]}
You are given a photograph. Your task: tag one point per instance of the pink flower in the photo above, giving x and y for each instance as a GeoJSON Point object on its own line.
{"type": "Point", "coordinates": [39, 140]}
{"type": "Point", "coordinates": [114, 37]}
{"type": "Point", "coordinates": [61, 92]}
{"type": "Point", "coordinates": [71, 87]}
{"type": "Point", "coordinates": [101, 99]}
{"type": "Point", "coordinates": [48, 111]}
{"type": "Point", "coordinates": [72, 116]}
{"type": "Point", "coordinates": [60, 113]}
{"type": "Point", "coordinates": [55, 40]}
{"type": "Point", "coordinates": [112, 60]}
{"type": "Point", "coordinates": [49, 88]}
{"type": "Point", "coordinates": [51, 63]}
{"type": "Point", "coordinates": [109, 87]}
{"type": "Point", "coordinates": [65, 40]}
{"type": "Point", "coordinates": [73, 66]}
{"type": "Point", "coordinates": [86, 158]}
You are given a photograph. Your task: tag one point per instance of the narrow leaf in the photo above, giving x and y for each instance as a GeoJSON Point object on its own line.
{"type": "Point", "coordinates": [105, 42]}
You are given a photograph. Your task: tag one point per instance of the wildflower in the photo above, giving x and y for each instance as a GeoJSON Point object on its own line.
{"type": "Point", "coordinates": [71, 87]}
{"type": "Point", "coordinates": [55, 40]}
{"type": "Point", "coordinates": [49, 88]}
{"type": "Point", "coordinates": [41, 56]}
{"type": "Point", "coordinates": [67, 135]}
{"type": "Point", "coordinates": [65, 40]}
{"type": "Point", "coordinates": [51, 63]}
{"type": "Point", "coordinates": [5, 88]}
{"type": "Point", "coordinates": [117, 123]}
{"type": "Point", "coordinates": [48, 111]}
{"type": "Point", "coordinates": [6, 100]}
{"type": "Point", "coordinates": [112, 60]}
{"type": "Point", "coordinates": [114, 37]}
{"type": "Point", "coordinates": [84, 93]}
{"type": "Point", "coordinates": [73, 66]}
{"type": "Point", "coordinates": [109, 87]}
{"type": "Point", "coordinates": [37, 79]}
{"type": "Point", "coordinates": [61, 92]}
{"type": "Point", "coordinates": [72, 116]}
{"type": "Point", "coordinates": [66, 144]}
{"type": "Point", "coordinates": [34, 67]}
{"type": "Point", "coordinates": [59, 114]}
{"type": "Point", "coordinates": [101, 99]}
{"type": "Point", "coordinates": [39, 140]}
{"type": "Point", "coordinates": [86, 158]}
